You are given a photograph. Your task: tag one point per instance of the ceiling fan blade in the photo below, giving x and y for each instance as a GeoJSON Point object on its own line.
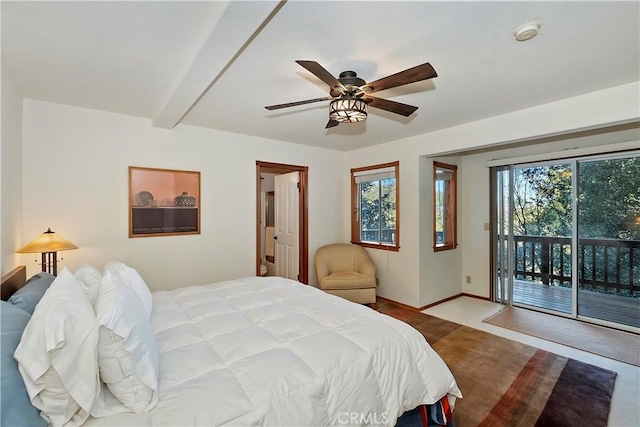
{"type": "Point", "coordinates": [332, 123]}
{"type": "Point", "coordinates": [318, 71]}
{"type": "Point", "coordinates": [293, 104]}
{"type": "Point", "coordinates": [415, 74]}
{"type": "Point", "coordinates": [392, 106]}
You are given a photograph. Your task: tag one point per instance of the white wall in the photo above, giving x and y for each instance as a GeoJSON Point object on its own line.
{"type": "Point", "coordinates": [401, 280]}
{"type": "Point", "coordinates": [473, 207]}
{"type": "Point", "coordinates": [438, 271]}
{"type": "Point", "coordinates": [11, 176]}
{"type": "Point", "coordinates": [397, 272]}
{"type": "Point", "coordinates": [75, 180]}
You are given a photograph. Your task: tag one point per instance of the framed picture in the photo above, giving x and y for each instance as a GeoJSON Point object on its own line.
{"type": "Point", "coordinates": [163, 202]}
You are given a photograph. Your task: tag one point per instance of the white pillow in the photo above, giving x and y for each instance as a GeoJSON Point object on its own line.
{"type": "Point", "coordinates": [89, 278]}
{"type": "Point", "coordinates": [130, 277]}
{"type": "Point", "coordinates": [127, 352]}
{"type": "Point", "coordinates": [57, 355]}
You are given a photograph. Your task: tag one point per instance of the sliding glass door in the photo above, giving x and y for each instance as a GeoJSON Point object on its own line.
{"type": "Point", "coordinates": [535, 235]}
{"type": "Point", "coordinates": [501, 242]}
{"type": "Point", "coordinates": [609, 239]}
{"type": "Point", "coordinates": [567, 237]}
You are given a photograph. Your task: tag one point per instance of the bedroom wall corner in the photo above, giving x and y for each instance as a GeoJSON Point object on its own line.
{"type": "Point", "coordinates": [11, 174]}
{"type": "Point", "coordinates": [397, 272]}
{"type": "Point", "coordinates": [326, 209]}
{"type": "Point", "coordinates": [440, 272]}
{"type": "Point", "coordinates": [474, 212]}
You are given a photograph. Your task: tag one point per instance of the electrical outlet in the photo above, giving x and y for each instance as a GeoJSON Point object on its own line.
{"type": "Point", "coordinates": [469, 279]}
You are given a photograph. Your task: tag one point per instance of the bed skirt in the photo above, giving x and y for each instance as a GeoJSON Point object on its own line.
{"type": "Point", "coordinates": [438, 414]}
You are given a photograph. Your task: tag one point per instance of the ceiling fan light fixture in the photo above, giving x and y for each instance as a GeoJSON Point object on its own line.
{"type": "Point", "coordinates": [348, 109]}
{"type": "Point", "coordinates": [349, 94]}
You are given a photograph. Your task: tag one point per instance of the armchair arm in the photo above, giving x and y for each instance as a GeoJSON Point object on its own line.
{"type": "Point", "coordinates": [322, 265]}
{"type": "Point", "coordinates": [367, 267]}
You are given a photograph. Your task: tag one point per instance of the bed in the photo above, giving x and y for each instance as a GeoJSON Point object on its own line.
{"type": "Point", "coordinates": [270, 351]}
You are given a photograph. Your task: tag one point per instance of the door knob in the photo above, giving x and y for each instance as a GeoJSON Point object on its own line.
{"type": "Point", "coordinates": [275, 237]}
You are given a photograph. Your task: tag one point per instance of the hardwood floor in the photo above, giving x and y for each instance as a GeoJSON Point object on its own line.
{"type": "Point", "coordinates": [396, 310]}
{"type": "Point", "coordinates": [414, 318]}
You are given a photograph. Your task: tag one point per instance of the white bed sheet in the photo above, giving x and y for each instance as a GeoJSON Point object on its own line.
{"type": "Point", "coordinates": [271, 351]}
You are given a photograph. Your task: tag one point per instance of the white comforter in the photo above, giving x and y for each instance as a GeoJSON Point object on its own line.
{"type": "Point", "coordinates": [271, 351]}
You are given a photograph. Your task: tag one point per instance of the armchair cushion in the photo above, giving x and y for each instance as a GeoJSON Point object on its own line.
{"type": "Point", "coordinates": [347, 280]}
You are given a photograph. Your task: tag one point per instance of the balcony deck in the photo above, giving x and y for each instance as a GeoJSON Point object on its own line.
{"type": "Point", "coordinates": [613, 308]}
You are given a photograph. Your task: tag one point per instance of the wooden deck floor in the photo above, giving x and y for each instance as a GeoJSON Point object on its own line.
{"type": "Point", "coordinates": [608, 307]}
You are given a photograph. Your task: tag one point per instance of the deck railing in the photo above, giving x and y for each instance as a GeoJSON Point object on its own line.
{"type": "Point", "coordinates": [388, 235]}
{"type": "Point", "coordinates": [604, 265]}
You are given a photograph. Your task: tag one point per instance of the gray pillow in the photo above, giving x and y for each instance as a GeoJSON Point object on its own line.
{"type": "Point", "coordinates": [30, 294]}
{"type": "Point", "coordinates": [16, 407]}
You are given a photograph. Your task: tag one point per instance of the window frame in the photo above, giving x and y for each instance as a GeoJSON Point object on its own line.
{"type": "Point", "coordinates": [451, 208]}
{"type": "Point", "coordinates": [355, 224]}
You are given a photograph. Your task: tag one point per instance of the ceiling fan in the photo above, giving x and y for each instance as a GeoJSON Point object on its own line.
{"type": "Point", "coordinates": [350, 95]}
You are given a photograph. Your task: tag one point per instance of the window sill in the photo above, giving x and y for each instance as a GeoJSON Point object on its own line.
{"type": "Point", "coordinates": [444, 248]}
{"type": "Point", "coordinates": [377, 246]}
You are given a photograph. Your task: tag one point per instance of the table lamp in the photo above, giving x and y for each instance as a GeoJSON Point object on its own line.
{"type": "Point", "coordinates": [49, 244]}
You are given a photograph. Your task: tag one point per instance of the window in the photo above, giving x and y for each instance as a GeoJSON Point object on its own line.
{"type": "Point", "coordinates": [375, 206]}
{"type": "Point", "coordinates": [444, 206]}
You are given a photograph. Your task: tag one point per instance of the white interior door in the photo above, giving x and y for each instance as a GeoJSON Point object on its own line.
{"type": "Point", "coordinates": [287, 233]}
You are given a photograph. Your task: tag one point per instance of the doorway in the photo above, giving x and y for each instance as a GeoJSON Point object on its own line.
{"type": "Point", "coordinates": [567, 238]}
{"type": "Point", "coordinates": [294, 243]}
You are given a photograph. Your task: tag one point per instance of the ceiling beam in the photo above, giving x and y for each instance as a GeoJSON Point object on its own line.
{"type": "Point", "coordinates": [239, 25]}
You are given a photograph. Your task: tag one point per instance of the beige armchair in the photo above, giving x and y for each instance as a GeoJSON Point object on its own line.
{"type": "Point", "coordinates": [347, 271]}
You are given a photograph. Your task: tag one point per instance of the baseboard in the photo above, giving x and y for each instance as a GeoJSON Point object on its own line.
{"type": "Point", "coordinates": [410, 307]}
{"type": "Point", "coordinates": [399, 304]}
{"type": "Point", "coordinates": [441, 301]}
{"type": "Point", "coordinates": [476, 297]}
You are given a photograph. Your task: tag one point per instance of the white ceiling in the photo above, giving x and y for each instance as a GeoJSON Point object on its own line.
{"type": "Point", "coordinates": [217, 64]}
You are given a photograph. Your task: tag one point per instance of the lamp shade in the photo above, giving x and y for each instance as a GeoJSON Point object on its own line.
{"type": "Point", "coordinates": [47, 242]}
{"type": "Point", "coordinates": [348, 109]}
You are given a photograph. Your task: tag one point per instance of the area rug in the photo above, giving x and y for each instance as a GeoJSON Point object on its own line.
{"type": "Point", "coordinates": [506, 383]}
{"type": "Point", "coordinates": [607, 342]}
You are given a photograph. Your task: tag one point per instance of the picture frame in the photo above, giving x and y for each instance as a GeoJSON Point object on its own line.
{"type": "Point", "coordinates": [163, 202]}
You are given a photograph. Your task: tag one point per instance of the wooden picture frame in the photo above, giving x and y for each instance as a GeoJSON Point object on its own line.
{"type": "Point", "coordinates": [163, 202]}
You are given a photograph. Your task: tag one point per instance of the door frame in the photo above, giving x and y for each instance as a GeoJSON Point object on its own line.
{"type": "Point", "coordinates": [303, 224]}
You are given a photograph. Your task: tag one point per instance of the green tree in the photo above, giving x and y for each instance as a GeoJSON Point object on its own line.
{"type": "Point", "coordinates": [378, 209]}
{"type": "Point", "coordinates": [369, 206]}
{"type": "Point", "coordinates": [608, 208]}
{"type": "Point", "coordinates": [542, 201]}
{"type": "Point", "coordinates": [609, 199]}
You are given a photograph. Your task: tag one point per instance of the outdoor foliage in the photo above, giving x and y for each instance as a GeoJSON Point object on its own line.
{"type": "Point", "coordinates": [608, 200]}
{"type": "Point", "coordinates": [608, 208]}
{"type": "Point", "coordinates": [542, 201]}
{"type": "Point", "coordinates": [378, 210]}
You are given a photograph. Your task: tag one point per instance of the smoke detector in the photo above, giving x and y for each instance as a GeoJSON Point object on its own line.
{"type": "Point", "coordinates": [526, 31]}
